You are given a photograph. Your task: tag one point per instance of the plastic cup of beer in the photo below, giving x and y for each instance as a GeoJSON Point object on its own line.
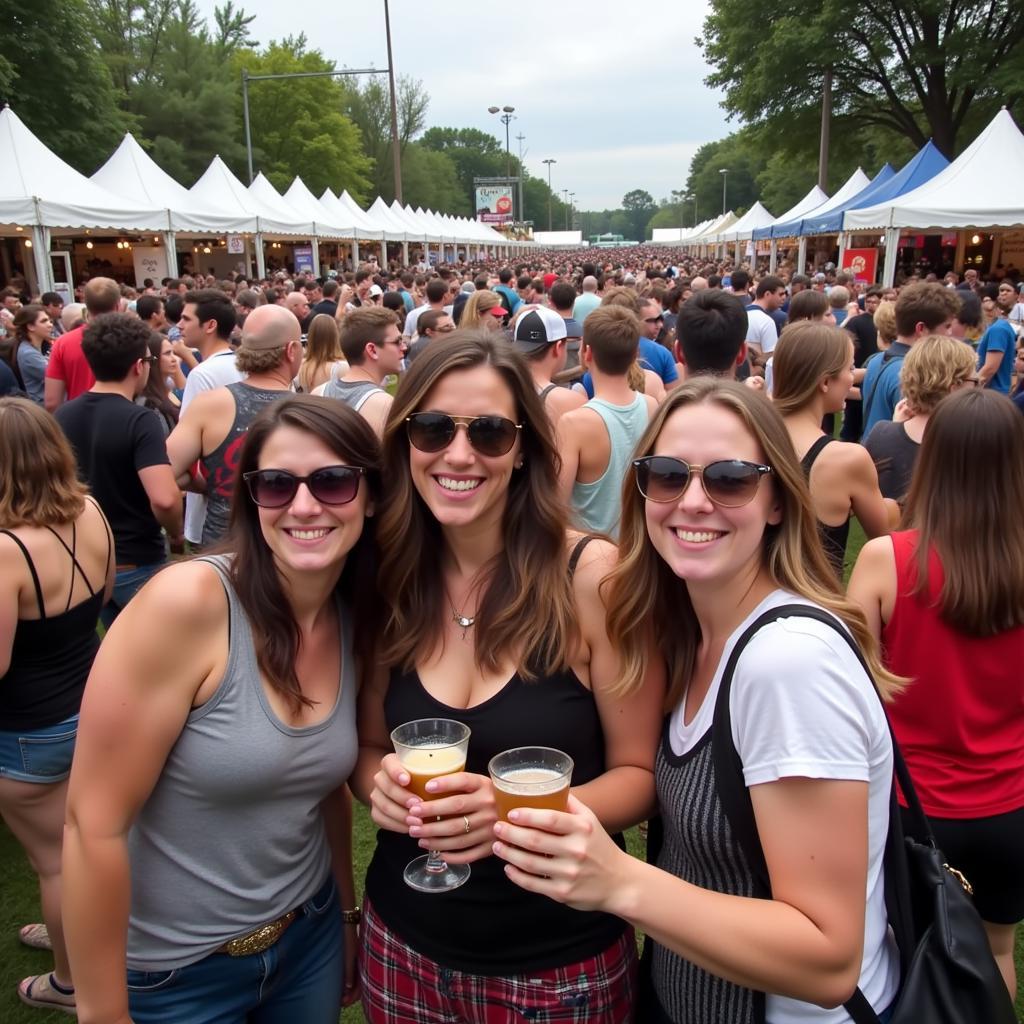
{"type": "Point", "coordinates": [530, 777]}
{"type": "Point", "coordinates": [429, 748]}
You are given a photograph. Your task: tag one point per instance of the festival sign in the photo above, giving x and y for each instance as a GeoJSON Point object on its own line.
{"type": "Point", "coordinates": [494, 204]}
{"type": "Point", "coordinates": [303, 259]}
{"type": "Point", "coordinates": [862, 263]}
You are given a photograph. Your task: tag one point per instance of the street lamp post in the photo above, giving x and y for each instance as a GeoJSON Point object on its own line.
{"type": "Point", "coordinates": [549, 162]}
{"type": "Point", "coordinates": [724, 172]}
{"type": "Point", "coordinates": [506, 119]}
{"type": "Point", "coordinates": [565, 206]}
{"type": "Point", "coordinates": [572, 201]}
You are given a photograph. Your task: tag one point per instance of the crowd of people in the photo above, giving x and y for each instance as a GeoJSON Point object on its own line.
{"type": "Point", "coordinates": [599, 502]}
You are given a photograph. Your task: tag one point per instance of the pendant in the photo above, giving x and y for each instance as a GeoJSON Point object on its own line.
{"type": "Point", "coordinates": [464, 621]}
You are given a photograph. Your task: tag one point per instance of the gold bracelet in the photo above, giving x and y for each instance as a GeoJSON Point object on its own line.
{"type": "Point", "coordinates": [352, 916]}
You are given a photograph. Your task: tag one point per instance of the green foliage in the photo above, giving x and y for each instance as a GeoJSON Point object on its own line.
{"type": "Point", "coordinates": [916, 68]}
{"type": "Point", "coordinates": [430, 180]}
{"type": "Point", "coordinates": [297, 124]}
{"type": "Point", "coordinates": [639, 207]}
{"type": "Point", "coordinates": [475, 154]}
{"type": "Point", "coordinates": [52, 75]}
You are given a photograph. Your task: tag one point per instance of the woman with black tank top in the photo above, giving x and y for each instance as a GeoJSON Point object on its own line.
{"type": "Point", "coordinates": [813, 375]}
{"type": "Point", "coordinates": [56, 572]}
{"type": "Point", "coordinates": [765, 900]}
{"type": "Point", "coordinates": [496, 619]}
{"type": "Point", "coordinates": [208, 828]}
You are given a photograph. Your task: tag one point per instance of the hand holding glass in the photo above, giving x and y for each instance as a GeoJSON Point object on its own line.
{"type": "Point", "coordinates": [427, 749]}
{"type": "Point", "coordinates": [530, 777]}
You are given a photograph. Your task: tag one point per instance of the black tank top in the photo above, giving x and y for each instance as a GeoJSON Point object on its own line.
{"type": "Point", "coordinates": [832, 537]}
{"type": "Point", "coordinates": [51, 656]}
{"type": "Point", "coordinates": [490, 926]}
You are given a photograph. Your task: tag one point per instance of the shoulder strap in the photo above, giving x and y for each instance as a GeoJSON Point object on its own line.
{"type": "Point", "coordinates": [577, 552]}
{"type": "Point", "coordinates": [814, 451]}
{"type": "Point", "coordinates": [887, 361]}
{"type": "Point", "coordinates": [75, 564]}
{"type": "Point", "coordinates": [737, 806]}
{"type": "Point", "coordinates": [32, 569]}
{"type": "Point", "coordinates": [544, 391]}
{"type": "Point", "coordinates": [366, 396]}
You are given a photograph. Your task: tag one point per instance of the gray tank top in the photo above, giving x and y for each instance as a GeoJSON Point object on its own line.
{"type": "Point", "coordinates": [354, 393]}
{"type": "Point", "coordinates": [231, 836]}
{"type": "Point", "coordinates": [598, 504]}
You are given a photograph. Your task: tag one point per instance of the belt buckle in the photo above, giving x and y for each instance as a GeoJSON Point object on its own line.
{"type": "Point", "coordinates": [260, 940]}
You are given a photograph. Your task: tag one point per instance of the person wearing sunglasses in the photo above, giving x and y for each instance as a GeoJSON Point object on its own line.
{"type": "Point", "coordinates": [496, 619]}
{"type": "Point", "coordinates": [208, 824]}
{"type": "Point", "coordinates": [813, 374]}
{"type": "Point", "coordinates": [717, 529]}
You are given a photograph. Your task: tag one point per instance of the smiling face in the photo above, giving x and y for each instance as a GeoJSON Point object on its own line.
{"type": "Point", "coordinates": [307, 535]}
{"type": "Point", "coordinates": [701, 542]}
{"type": "Point", "coordinates": [458, 484]}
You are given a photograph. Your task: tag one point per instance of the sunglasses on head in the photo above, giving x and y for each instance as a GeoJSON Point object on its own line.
{"type": "Point", "coordinates": [730, 483]}
{"type": "Point", "coordinates": [275, 488]}
{"type": "Point", "coordinates": [434, 431]}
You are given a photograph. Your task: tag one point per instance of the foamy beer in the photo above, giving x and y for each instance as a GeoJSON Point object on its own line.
{"type": "Point", "coordinates": [531, 777]}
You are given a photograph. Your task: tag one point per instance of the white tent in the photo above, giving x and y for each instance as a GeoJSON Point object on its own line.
{"type": "Point", "coordinates": [811, 201]}
{"type": "Point", "coordinates": [328, 223]}
{"type": "Point", "coordinates": [983, 187]}
{"type": "Point", "coordinates": [555, 239]}
{"type": "Point", "coordinates": [709, 236]}
{"type": "Point", "coordinates": [219, 188]}
{"type": "Point", "coordinates": [857, 182]}
{"type": "Point", "coordinates": [380, 217]}
{"type": "Point", "coordinates": [348, 213]}
{"type": "Point", "coordinates": [131, 172]}
{"type": "Point", "coordinates": [284, 212]}
{"type": "Point", "coordinates": [414, 227]}
{"type": "Point", "coordinates": [666, 236]}
{"type": "Point", "coordinates": [756, 217]}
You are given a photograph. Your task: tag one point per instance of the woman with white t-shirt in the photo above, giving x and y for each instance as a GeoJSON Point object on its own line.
{"type": "Point", "coordinates": [700, 562]}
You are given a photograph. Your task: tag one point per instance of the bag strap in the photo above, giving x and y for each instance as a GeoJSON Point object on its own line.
{"type": "Point", "coordinates": [887, 361]}
{"type": "Point", "coordinates": [738, 808]}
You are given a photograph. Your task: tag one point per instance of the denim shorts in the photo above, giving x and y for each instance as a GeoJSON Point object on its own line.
{"type": "Point", "coordinates": [39, 755]}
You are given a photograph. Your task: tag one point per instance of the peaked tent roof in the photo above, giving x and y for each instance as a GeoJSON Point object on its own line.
{"type": "Point", "coordinates": [37, 187]}
{"type": "Point", "coordinates": [349, 212]}
{"type": "Point", "coordinates": [831, 221]}
{"type": "Point", "coordinates": [132, 173]}
{"type": "Point", "coordinates": [325, 222]}
{"type": "Point", "coordinates": [285, 211]}
{"type": "Point", "coordinates": [663, 236]}
{"type": "Point", "coordinates": [756, 217]}
{"type": "Point", "coordinates": [710, 235]}
{"type": "Point", "coordinates": [811, 201]}
{"type": "Point", "coordinates": [219, 188]}
{"type": "Point", "coordinates": [857, 182]}
{"type": "Point", "coordinates": [981, 188]}
{"type": "Point", "coordinates": [415, 228]}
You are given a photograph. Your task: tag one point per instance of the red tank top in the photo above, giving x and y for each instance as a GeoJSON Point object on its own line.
{"type": "Point", "coordinates": [960, 721]}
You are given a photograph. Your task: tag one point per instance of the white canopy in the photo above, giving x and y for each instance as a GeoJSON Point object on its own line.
{"type": "Point", "coordinates": [284, 211]}
{"type": "Point", "coordinates": [38, 188]}
{"type": "Point", "coordinates": [386, 225]}
{"type": "Point", "coordinates": [132, 173]}
{"type": "Point", "coordinates": [811, 201]}
{"type": "Point", "coordinates": [219, 188]}
{"type": "Point", "coordinates": [756, 217]}
{"type": "Point", "coordinates": [414, 227]}
{"type": "Point", "coordinates": [557, 238]}
{"type": "Point", "coordinates": [857, 182]}
{"type": "Point", "coordinates": [344, 210]}
{"type": "Point", "coordinates": [327, 225]}
{"type": "Point", "coordinates": [710, 235]}
{"type": "Point", "coordinates": [665, 236]}
{"type": "Point", "coordinates": [983, 187]}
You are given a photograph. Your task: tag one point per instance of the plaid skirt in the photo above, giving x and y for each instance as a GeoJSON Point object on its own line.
{"type": "Point", "coordinates": [400, 986]}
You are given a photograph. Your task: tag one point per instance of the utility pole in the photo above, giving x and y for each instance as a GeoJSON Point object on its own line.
{"type": "Point", "coordinates": [522, 209]}
{"type": "Point", "coordinates": [396, 149]}
{"type": "Point", "coordinates": [549, 162]}
{"type": "Point", "coordinates": [506, 119]}
{"type": "Point", "coordinates": [826, 125]}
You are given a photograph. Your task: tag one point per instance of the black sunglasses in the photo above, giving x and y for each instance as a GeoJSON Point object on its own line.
{"type": "Point", "coordinates": [434, 431]}
{"type": "Point", "coordinates": [730, 483]}
{"type": "Point", "coordinates": [275, 488]}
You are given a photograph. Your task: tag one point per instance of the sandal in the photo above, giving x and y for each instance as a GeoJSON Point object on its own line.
{"type": "Point", "coordinates": [35, 936]}
{"type": "Point", "coordinates": [42, 991]}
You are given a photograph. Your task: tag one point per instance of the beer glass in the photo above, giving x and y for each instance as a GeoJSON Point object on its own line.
{"type": "Point", "coordinates": [530, 777]}
{"type": "Point", "coordinates": [427, 749]}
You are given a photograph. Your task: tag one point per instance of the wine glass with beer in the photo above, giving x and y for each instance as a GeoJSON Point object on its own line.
{"type": "Point", "coordinates": [530, 777]}
{"type": "Point", "coordinates": [428, 748]}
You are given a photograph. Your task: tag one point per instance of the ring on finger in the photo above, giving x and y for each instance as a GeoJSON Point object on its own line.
{"type": "Point", "coordinates": [465, 818]}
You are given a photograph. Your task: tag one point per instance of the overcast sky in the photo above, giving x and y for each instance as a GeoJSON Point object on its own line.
{"type": "Point", "coordinates": [613, 91]}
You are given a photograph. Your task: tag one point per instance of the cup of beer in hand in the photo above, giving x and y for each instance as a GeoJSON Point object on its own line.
{"type": "Point", "coordinates": [530, 777]}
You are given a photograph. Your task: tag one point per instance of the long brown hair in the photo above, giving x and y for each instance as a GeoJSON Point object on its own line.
{"type": "Point", "coordinates": [647, 597]}
{"type": "Point", "coordinates": [807, 350]}
{"type": "Point", "coordinates": [39, 483]}
{"type": "Point", "coordinates": [155, 395]}
{"type": "Point", "coordinates": [965, 501]}
{"type": "Point", "coordinates": [323, 347]}
{"type": "Point", "coordinates": [253, 573]}
{"type": "Point", "coordinates": [526, 611]}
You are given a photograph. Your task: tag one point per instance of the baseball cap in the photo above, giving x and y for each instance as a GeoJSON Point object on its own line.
{"type": "Point", "coordinates": [549, 280]}
{"type": "Point", "coordinates": [375, 290]}
{"type": "Point", "coordinates": [537, 328]}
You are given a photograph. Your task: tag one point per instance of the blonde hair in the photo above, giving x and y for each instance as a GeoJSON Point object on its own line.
{"type": "Point", "coordinates": [39, 483]}
{"type": "Point", "coordinates": [473, 311]}
{"type": "Point", "coordinates": [885, 320]}
{"type": "Point", "coordinates": [646, 598]}
{"type": "Point", "coordinates": [932, 368]}
{"type": "Point", "coordinates": [807, 351]}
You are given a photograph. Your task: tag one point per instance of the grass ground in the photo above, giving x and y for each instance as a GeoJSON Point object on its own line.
{"type": "Point", "coordinates": [19, 902]}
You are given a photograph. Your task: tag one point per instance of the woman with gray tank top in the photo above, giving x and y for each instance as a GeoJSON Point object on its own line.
{"type": "Point", "coordinates": [208, 825]}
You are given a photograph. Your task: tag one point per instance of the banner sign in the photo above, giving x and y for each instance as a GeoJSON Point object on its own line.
{"type": "Point", "coordinates": [1011, 249]}
{"type": "Point", "coordinates": [303, 255]}
{"type": "Point", "coordinates": [150, 261]}
{"type": "Point", "coordinates": [494, 204]}
{"type": "Point", "coordinates": [862, 263]}
{"type": "Point", "coordinates": [236, 245]}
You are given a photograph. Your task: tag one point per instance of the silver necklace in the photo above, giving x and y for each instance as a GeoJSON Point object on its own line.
{"type": "Point", "coordinates": [465, 621]}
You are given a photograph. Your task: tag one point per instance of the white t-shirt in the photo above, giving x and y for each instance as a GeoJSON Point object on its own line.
{"type": "Point", "coordinates": [761, 330]}
{"type": "Point", "coordinates": [802, 706]}
{"type": "Point", "coordinates": [217, 371]}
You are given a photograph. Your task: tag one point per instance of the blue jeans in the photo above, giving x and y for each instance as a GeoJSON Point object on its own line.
{"type": "Point", "coordinates": [298, 980]}
{"type": "Point", "coordinates": [39, 755]}
{"type": "Point", "coordinates": [126, 584]}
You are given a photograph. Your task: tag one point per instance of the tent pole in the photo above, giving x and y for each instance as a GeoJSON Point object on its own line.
{"type": "Point", "coordinates": [170, 254]}
{"type": "Point", "coordinates": [843, 243]}
{"type": "Point", "coordinates": [41, 258]}
{"type": "Point", "coordinates": [314, 243]}
{"type": "Point", "coordinates": [802, 255]}
{"type": "Point", "coordinates": [892, 241]}
{"type": "Point", "coordinates": [773, 258]}
{"type": "Point", "coordinates": [355, 255]}
{"type": "Point", "coordinates": [261, 261]}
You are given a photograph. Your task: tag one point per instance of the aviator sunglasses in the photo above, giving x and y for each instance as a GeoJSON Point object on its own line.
{"type": "Point", "coordinates": [730, 483]}
{"type": "Point", "coordinates": [489, 435]}
{"type": "Point", "coordinates": [275, 488]}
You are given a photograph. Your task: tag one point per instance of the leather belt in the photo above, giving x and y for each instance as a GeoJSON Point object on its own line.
{"type": "Point", "coordinates": [261, 939]}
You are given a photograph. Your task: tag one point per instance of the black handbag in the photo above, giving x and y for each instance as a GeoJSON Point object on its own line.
{"type": "Point", "coordinates": [947, 972]}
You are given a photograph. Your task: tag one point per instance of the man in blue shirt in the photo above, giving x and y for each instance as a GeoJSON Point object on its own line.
{"type": "Point", "coordinates": [922, 308]}
{"type": "Point", "coordinates": [997, 348]}
{"type": "Point", "coordinates": [652, 355]}
{"type": "Point", "coordinates": [506, 291]}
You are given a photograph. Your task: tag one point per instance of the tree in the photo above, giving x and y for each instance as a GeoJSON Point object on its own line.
{"type": "Point", "coordinates": [474, 153]}
{"type": "Point", "coordinates": [297, 124]}
{"type": "Point", "coordinates": [639, 207]}
{"type": "Point", "coordinates": [61, 90]}
{"type": "Point", "coordinates": [430, 180]}
{"type": "Point", "coordinates": [916, 68]}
